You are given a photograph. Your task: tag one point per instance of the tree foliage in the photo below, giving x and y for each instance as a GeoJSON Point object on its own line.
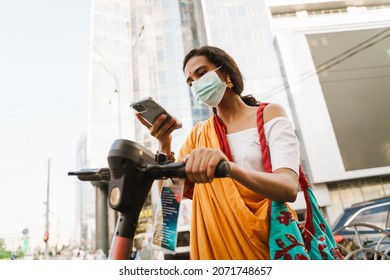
{"type": "Point", "coordinates": [4, 253]}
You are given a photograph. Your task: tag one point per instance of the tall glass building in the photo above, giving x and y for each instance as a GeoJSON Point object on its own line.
{"type": "Point", "coordinates": [136, 51]}
{"type": "Point", "coordinates": [157, 53]}
{"type": "Point", "coordinates": [243, 29]}
{"type": "Point", "coordinates": [109, 95]}
{"type": "Point", "coordinates": [110, 85]}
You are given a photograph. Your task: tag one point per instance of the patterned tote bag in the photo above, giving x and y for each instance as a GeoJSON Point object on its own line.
{"type": "Point", "coordinates": [290, 240]}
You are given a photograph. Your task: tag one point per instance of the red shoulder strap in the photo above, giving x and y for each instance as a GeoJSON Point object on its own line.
{"type": "Point", "coordinates": [303, 182]}
{"type": "Point", "coordinates": [220, 128]}
{"type": "Point", "coordinates": [263, 140]}
{"type": "Point", "coordinates": [264, 149]}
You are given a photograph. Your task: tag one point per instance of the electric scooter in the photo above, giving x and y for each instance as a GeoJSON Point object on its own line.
{"type": "Point", "coordinates": [131, 173]}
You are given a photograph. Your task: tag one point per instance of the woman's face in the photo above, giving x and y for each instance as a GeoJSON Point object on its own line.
{"type": "Point", "coordinates": [197, 66]}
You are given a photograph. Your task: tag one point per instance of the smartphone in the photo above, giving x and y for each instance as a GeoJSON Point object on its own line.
{"type": "Point", "coordinates": [150, 110]}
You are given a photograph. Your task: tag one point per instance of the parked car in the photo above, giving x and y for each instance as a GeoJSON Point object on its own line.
{"type": "Point", "coordinates": [363, 230]}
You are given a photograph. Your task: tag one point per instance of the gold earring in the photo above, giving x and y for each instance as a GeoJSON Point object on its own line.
{"type": "Point", "coordinates": [229, 83]}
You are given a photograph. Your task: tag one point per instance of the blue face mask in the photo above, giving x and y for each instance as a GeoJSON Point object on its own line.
{"type": "Point", "coordinates": [209, 89]}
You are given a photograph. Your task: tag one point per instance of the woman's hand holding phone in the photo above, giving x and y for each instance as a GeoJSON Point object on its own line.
{"type": "Point", "coordinates": [159, 122]}
{"type": "Point", "coordinates": [161, 130]}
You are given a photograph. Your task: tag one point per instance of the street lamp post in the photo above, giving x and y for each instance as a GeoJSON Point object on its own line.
{"type": "Point", "coordinates": [111, 71]}
{"type": "Point", "coordinates": [101, 218]}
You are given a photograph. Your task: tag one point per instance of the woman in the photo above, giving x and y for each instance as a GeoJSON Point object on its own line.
{"type": "Point", "coordinates": [230, 217]}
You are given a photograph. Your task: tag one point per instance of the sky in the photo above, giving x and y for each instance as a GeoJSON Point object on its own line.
{"type": "Point", "coordinates": [43, 112]}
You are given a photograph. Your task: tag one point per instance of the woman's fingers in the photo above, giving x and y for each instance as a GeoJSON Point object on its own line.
{"type": "Point", "coordinates": [201, 164]}
{"type": "Point", "coordinates": [162, 128]}
{"type": "Point", "coordinates": [143, 121]}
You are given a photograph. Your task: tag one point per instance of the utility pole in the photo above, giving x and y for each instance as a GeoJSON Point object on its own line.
{"type": "Point", "coordinates": [46, 235]}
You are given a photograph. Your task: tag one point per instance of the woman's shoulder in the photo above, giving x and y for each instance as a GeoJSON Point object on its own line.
{"type": "Point", "coordinates": [201, 123]}
{"type": "Point", "coordinates": [197, 128]}
{"type": "Point", "coordinates": [273, 110]}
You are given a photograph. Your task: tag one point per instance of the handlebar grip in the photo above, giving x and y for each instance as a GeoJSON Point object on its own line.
{"type": "Point", "coordinates": [92, 174]}
{"type": "Point", "coordinates": [222, 170]}
{"type": "Point", "coordinates": [177, 170]}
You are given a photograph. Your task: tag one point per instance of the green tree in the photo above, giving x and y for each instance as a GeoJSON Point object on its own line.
{"type": "Point", "coordinates": [4, 254]}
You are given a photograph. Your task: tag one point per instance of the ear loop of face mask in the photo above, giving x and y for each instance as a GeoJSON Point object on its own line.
{"type": "Point", "coordinates": [204, 76]}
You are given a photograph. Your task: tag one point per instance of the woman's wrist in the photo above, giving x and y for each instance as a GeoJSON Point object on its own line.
{"type": "Point", "coordinates": [166, 149]}
{"type": "Point", "coordinates": [233, 170]}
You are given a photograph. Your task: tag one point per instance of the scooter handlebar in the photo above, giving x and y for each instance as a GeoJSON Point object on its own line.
{"type": "Point", "coordinates": [177, 170]}
{"type": "Point", "coordinates": [92, 174]}
{"type": "Point", "coordinates": [155, 171]}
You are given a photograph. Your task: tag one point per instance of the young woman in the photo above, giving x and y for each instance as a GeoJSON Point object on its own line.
{"type": "Point", "coordinates": [230, 218]}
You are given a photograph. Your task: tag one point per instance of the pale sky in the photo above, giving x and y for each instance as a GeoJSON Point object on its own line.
{"type": "Point", "coordinates": [43, 111]}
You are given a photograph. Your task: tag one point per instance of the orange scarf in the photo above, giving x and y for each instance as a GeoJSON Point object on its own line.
{"type": "Point", "coordinates": [228, 220]}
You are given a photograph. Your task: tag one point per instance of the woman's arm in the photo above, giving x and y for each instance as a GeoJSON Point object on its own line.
{"type": "Point", "coordinates": [161, 132]}
{"type": "Point", "coordinates": [281, 185]}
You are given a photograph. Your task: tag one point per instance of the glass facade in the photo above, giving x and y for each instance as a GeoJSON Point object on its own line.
{"type": "Point", "coordinates": [157, 54]}
{"type": "Point", "coordinates": [109, 115]}
{"type": "Point", "coordinates": [243, 29]}
{"type": "Point", "coordinates": [136, 51]}
{"type": "Point", "coordinates": [109, 96]}
{"type": "Point", "coordinates": [160, 30]}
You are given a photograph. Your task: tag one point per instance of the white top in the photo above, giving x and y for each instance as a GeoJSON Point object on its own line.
{"type": "Point", "coordinates": [281, 140]}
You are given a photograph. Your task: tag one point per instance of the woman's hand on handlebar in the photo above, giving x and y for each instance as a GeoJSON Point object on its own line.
{"type": "Point", "coordinates": [161, 132]}
{"type": "Point", "coordinates": [201, 164]}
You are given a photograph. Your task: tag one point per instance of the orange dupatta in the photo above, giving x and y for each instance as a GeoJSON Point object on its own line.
{"type": "Point", "coordinates": [228, 220]}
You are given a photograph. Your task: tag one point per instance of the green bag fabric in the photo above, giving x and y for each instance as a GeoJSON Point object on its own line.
{"type": "Point", "coordinates": [290, 240]}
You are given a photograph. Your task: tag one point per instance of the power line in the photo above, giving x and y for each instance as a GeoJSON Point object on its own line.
{"type": "Point", "coordinates": [23, 170]}
{"type": "Point", "coordinates": [39, 167]}
{"type": "Point", "coordinates": [54, 111]}
{"type": "Point", "coordinates": [361, 68]}
{"type": "Point", "coordinates": [42, 102]}
{"type": "Point", "coordinates": [353, 48]}
{"type": "Point", "coordinates": [356, 79]}
{"type": "Point", "coordinates": [57, 100]}
{"type": "Point", "coordinates": [325, 66]}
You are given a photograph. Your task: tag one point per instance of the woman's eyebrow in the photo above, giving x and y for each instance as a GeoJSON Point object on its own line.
{"type": "Point", "coordinates": [197, 70]}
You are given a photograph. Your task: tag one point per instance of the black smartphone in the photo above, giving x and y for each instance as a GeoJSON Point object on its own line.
{"type": "Point", "coordinates": [150, 110]}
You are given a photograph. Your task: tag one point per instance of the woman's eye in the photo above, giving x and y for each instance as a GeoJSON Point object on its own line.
{"type": "Point", "coordinates": [202, 73]}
